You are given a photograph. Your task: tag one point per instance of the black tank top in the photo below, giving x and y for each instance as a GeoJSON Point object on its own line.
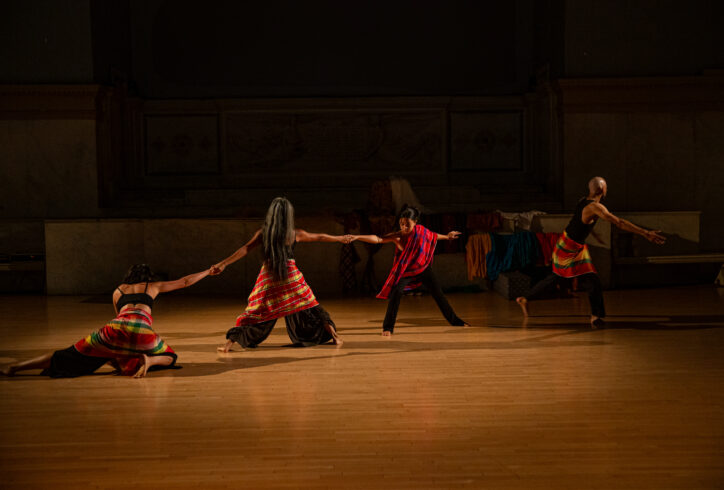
{"type": "Point", "coordinates": [577, 230]}
{"type": "Point", "coordinates": [134, 298]}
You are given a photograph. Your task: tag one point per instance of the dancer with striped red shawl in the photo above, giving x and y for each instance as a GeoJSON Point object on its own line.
{"type": "Point", "coordinates": [571, 257]}
{"type": "Point", "coordinates": [127, 342]}
{"type": "Point", "coordinates": [415, 248]}
{"type": "Point", "coordinates": [280, 289]}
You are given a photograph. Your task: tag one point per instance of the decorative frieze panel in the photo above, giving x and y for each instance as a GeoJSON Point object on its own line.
{"type": "Point", "coordinates": [336, 142]}
{"type": "Point", "coordinates": [182, 145]}
{"type": "Point", "coordinates": [486, 141]}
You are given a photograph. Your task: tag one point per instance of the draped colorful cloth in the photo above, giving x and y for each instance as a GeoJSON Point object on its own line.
{"type": "Point", "coordinates": [412, 260]}
{"type": "Point", "coordinates": [125, 339]}
{"type": "Point", "coordinates": [483, 222]}
{"type": "Point", "coordinates": [547, 243]}
{"type": "Point", "coordinates": [511, 253]}
{"type": "Point", "coordinates": [271, 299]}
{"type": "Point", "coordinates": [571, 259]}
{"type": "Point", "coordinates": [476, 249]}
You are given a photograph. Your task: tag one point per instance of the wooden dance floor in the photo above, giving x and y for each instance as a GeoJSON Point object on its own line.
{"type": "Point", "coordinates": [551, 404]}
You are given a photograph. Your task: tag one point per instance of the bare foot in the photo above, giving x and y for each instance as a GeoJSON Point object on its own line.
{"type": "Point", "coordinates": [8, 370]}
{"type": "Point", "coordinates": [523, 303]}
{"type": "Point", "coordinates": [597, 322]}
{"type": "Point", "coordinates": [332, 330]}
{"type": "Point", "coordinates": [226, 347]}
{"type": "Point", "coordinates": [386, 333]}
{"type": "Point", "coordinates": [144, 367]}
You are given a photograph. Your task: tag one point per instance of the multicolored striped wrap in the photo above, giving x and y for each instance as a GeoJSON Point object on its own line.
{"type": "Point", "coordinates": [412, 260]}
{"type": "Point", "coordinates": [570, 258]}
{"type": "Point", "coordinates": [271, 299]}
{"type": "Point", "coordinates": [124, 339]}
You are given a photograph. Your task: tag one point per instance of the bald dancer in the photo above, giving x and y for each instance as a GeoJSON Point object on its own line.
{"type": "Point", "coordinates": [570, 256]}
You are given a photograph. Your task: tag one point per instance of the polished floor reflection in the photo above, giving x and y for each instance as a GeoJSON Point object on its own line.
{"type": "Point", "coordinates": [503, 404]}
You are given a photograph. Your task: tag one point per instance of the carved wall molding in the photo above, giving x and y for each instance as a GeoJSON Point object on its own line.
{"type": "Point", "coordinates": [50, 101]}
{"type": "Point", "coordinates": [655, 94]}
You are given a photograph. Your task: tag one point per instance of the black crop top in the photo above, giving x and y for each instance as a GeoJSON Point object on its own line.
{"type": "Point", "coordinates": [134, 298]}
{"type": "Point", "coordinates": [577, 230]}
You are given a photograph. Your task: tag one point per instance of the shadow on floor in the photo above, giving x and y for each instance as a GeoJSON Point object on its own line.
{"type": "Point", "coordinates": [634, 322]}
{"type": "Point", "coordinates": [249, 360]}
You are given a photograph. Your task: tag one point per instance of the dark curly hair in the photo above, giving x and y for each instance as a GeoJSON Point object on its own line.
{"type": "Point", "coordinates": [138, 273]}
{"type": "Point", "coordinates": [411, 213]}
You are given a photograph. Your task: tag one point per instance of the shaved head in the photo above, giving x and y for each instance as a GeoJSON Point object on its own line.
{"type": "Point", "coordinates": [597, 186]}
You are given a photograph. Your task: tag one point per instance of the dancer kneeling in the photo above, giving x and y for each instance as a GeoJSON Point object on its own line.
{"type": "Point", "coordinates": [127, 342]}
{"type": "Point", "coordinates": [571, 258]}
{"type": "Point", "coordinates": [280, 289]}
{"type": "Point", "coordinates": [415, 247]}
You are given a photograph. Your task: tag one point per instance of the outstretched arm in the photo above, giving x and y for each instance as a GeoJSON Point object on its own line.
{"type": "Point", "coordinates": [450, 236]}
{"type": "Point", "coordinates": [374, 238]}
{"type": "Point", "coordinates": [250, 245]}
{"type": "Point", "coordinates": [184, 282]}
{"type": "Point", "coordinates": [600, 210]}
{"type": "Point", "coordinates": [304, 236]}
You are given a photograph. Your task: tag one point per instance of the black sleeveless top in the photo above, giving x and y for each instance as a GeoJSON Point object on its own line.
{"type": "Point", "coordinates": [134, 298]}
{"type": "Point", "coordinates": [577, 230]}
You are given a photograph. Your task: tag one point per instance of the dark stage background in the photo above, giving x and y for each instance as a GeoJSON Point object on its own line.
{"type": "Point", "coordinates": [182, 109]}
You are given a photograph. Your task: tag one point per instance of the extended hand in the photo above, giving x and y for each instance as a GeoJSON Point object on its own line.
{"type": "Point", "coordinates": [453, 235]}
{"type": "Point", "coordinates": [348, 238]}
{"type": "Point", "coordinates": [656, 237]}
{"type": "Point", "coordinates": [217, 269]}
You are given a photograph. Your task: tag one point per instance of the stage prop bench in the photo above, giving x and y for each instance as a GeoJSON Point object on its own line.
{"type": "Point", "coordinates": [638, 263]}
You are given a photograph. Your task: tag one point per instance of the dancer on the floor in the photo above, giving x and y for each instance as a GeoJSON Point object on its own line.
{"type": "Point", "coordinates": [280, 289]}
{"type": "Point", "coordinates": [127, 342]}
{"type": "Point", "coordinates": [415, 247]}
{"type": "Point", "coordinates": [571, 258]}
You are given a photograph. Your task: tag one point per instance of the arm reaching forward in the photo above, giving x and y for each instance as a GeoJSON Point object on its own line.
{"type": "Point", "coordinates": [450, 236]}
{"type": "Point", "coordinates": [374, 238]}
{"type": "Point", "coordinates": [240, 253]}
{"type": "Point", "coordinates": [304, 236]}
{"type": "Point", "coordinates": [598, 209]}
{"type": "Point", "coordinates": [184, 282]}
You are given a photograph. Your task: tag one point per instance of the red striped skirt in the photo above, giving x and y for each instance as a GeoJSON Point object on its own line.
{"type": "Point", "coordinates": [571, 259]}
{"type": "Point", "coordinates": [271, 299]}
{"type": "Point", "coordinates": [125, 339]}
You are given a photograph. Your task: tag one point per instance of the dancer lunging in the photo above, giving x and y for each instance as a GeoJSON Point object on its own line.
{"type": "Point", "coordinates": [280, 289]}
{"type": "Point", "coordinates": [127, 342]}
{"type": "Point", "coordinates": [571, 257]}
{"type": "Point", "coordinates": [415, 247]}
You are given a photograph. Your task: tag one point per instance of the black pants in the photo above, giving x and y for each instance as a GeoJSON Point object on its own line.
{"type": "Point", "coordinates": [588, 282]}
{"type": "Point", "coordinates": [430, 282]}
{"type": "Point", "coordinates": [306, 327]}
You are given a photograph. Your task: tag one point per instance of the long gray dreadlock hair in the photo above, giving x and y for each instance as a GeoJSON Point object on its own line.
{"type": "Point", "coordinates": [278, 236]}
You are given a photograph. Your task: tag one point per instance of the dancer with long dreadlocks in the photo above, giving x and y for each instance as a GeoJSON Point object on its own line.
{"type": "Point", "coordinates": [415, 248]}
{"type": "Point", "coordinates": [571, 257]}
{"type": "Point", "coordinates": [280, 289]}
{"type": "Point", "coordinates": [127, 342]}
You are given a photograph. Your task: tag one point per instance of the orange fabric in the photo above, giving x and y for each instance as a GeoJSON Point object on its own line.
{"type": "Point", "coordinates": [476, 249]}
